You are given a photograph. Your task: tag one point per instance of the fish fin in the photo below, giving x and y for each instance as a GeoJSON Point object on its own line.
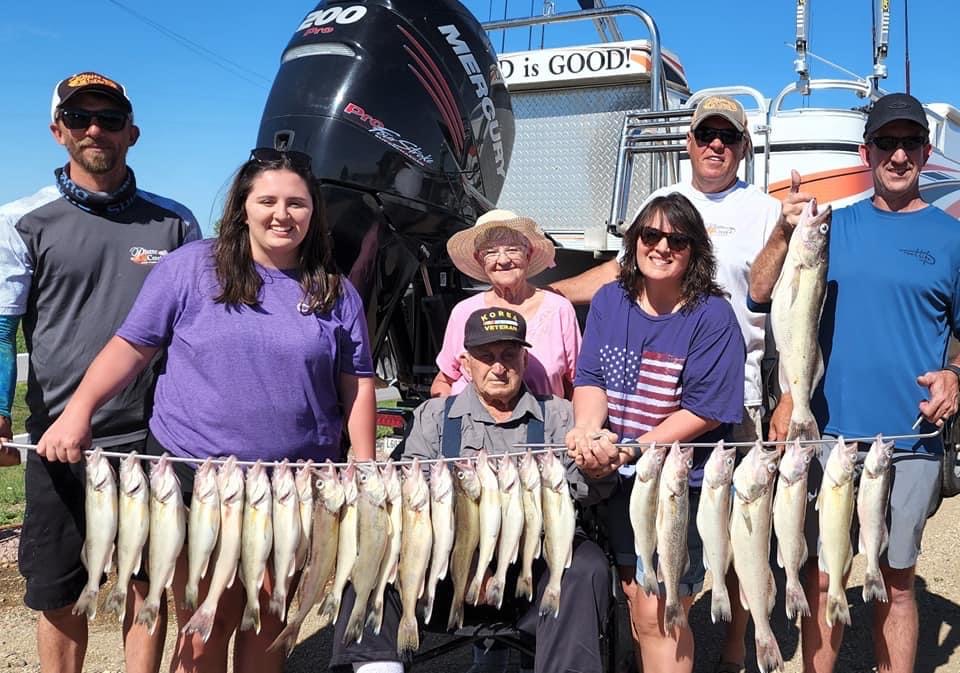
{"type": "Point", "coordinates": [706, 561]}
{"type": "Point", "coordinates": [329, 610]}
{"type": "Point", "coordinates": [278, 602]}
{"type": "Point", "coordinates": [427, 608]}
{"type": "Point", "coordinates": [873, 588]}
{"type": "Point", "coordinates": [823, 564]}
{"type": "Point", "coordinates": [747, 521]}
{"type": "Point", "coordinates": [771, 591]}
{"type": "Point", "coordinates": [884, 538]}
{"type": "Point", "coordinates": [375, 615]}
{"type": "Point", "coordinates": [837, 610]}
{"type": "Point", "coordinates": [287, 638]}
{"type": "Point", "coordinates": [111, 558]}
{"type": "Point", "coordinates": [495, 592]}
{"type": "Point", "coordinates": [650, 585]}
{"type": "Point", "coordinates": [190, 596]}
{"type": "Point", "coordinates": [768, 654]}
{"type": "Point", "coordinates": [686, 562]}
{"type": "Point", "coordinates": [473, 590]}
{"type": "Point", "coordinates": [232, 577]}
{"type": "Point", "coordinates": [803, 428]}
{"type": "Point", "coordinates": [674, 617]}
{"type": "Point", "coordinates": [659, 571]}
{"type": "Point", "coordinates": [87, 603]}
{"type": "Point", "coordinates": [251, 617]}
{"type": "Point", "coordinates": [848, 562]}
{"type": "Point", "coordinates": [550, 602]}
{"type": "Point", "coordinates": [743, 600]}
{"type": "Point", "coordinates": [83, 556]}
{"type": "Point", "coordinates": [779, 556]}
{"type": "Point", "coordinates": [525, 587]}
{"type": "Point", "coordinates": [201, 623]}
{"type": "Point", "coordinates": [138, 564]}
{"type": "Point", "coordinates": [569, 556]}
{"type": "Point", "coordinates": [861, 545]}
{"type": "Point", "coordinates": [455, 620]}
{"type": "Point", "coordinates": [408, 636]}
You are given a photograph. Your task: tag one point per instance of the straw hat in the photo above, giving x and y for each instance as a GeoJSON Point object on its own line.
{"type": "Point", "coordinates": [462, 245]}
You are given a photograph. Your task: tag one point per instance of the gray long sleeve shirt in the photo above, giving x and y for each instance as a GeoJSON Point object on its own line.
{"type": "Point", "coordinates": [480, 430]}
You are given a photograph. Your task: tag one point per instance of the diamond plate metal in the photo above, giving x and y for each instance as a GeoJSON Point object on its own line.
{"type": "Point", "coordinates": [565, 155]}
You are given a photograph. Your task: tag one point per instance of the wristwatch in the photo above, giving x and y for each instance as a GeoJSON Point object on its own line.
{"type": "Point", "coordinates": [953, 368]}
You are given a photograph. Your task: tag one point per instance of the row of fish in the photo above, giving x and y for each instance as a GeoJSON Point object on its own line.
{"type": "Point", "coordinates": [365, 524]}
{"type": "Point", "coordinates": [768, 493]}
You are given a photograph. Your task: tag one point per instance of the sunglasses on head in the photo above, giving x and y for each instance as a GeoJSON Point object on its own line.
{"type": "Point", "coordinates": [108, 120]}
{"type": "Point", "coordinates": [891, 143]}
{"type": "Point", "coordinates": [268, 156]}
{"type": "Point", "coordinates": [706, 135]}
{"type": "Point", "coordinates": [651, 236]}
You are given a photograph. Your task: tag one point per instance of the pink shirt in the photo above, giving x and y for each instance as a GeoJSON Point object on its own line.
{"type": "Point", "coordinates": [553, 334]}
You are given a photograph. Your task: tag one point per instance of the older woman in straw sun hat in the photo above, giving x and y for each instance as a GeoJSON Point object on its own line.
{"type": "Point", "coordinates": [505, 250]}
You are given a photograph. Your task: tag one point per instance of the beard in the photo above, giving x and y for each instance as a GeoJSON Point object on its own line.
{"type": "Point", "coordinates": [97, 163]}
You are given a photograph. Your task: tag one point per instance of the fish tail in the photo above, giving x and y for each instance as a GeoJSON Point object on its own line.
{"type": "Point", "coordinates": [375, 616]}
{"type": "Point", "coordinates": [87, 603]}
{"type": "Point", "coordinates": [473, 590]}
{"type": "Point", "coordinates": [201, 623]}
{"type": "Point", "coordinates": [251, 617]}
{"type": "Point", "coordinates": [796, 600]}
{"type": "Point", "coordinates": [329, 610]}
{"type": "Point", "coordinates": [804, 428]}
{"type": "Point", "coordinates": [190, 596]}
{"type": "Point", "coordinates": [455, 621]}
{"type": "Point", "coordinates": [768, 655]}
{"type": "Point", "coordinates": [525, 586]}
{"type": "Point", "coordinates": [550, 603]}
{"type": "Point", "coordinates": [674, 617]}
{"type": "Point", "coordinates": [873, 587]}
{"type": "Point", "coordinates": [148, 615]}
{"type": "Point", "coordinates": [837, 609]}
{"type": "Point", "coordinates": [278, 601]}
{"type": "Point", "coordinates": [117, 602]}
{"type": "Point", "coordinates": [650, 585]}
{"type": "Point", "coordinates": [354, 631]}
{"type": "Point", "coordinates": [408, 636]}
{"type": "Point", "coordinates": [495, 592]}
{"type": "Point", "coordinates": [720, 604]}
{"type": "Point", "coordinates": [287, 638]}
{"type": "Point", "coordinates": [427, 610]}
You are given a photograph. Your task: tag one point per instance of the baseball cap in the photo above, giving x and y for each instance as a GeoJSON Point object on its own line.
{"type": "Point", "coordinates": [720, 106]}
{"type": "Point", "coordinates": [84, 82]}
{"type": "Point", "coordinates": [490, 325]}
{"type": "Point", "coordinates": [894, 107]}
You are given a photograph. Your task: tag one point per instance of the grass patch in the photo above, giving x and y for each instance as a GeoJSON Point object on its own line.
{"type": "Point", "coordinates": [11, 478]}
{"type": "Point", "coordinates": [21, 342]}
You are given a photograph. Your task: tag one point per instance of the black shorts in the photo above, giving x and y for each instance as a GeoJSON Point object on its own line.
{"type": "Point", "coordinates": [54, 526]}
{"type": "Point", "coordinates": [184, 471]}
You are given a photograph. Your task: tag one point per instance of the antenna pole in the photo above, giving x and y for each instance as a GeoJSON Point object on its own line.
{"type": "Point", "coordinates": [906, 45]}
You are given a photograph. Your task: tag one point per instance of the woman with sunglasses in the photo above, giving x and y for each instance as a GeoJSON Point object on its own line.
{"type": "Point", "coordinates": [267, 358]}
{"type": "Point", "coordinates": [662, 361]}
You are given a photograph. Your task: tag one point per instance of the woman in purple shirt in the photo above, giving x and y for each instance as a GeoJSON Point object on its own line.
{"type": "Point", "coordinates": [267, 358]}
{"type": "Point", "coordinates": [662, 361]}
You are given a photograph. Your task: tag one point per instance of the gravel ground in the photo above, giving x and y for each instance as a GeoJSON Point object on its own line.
{"type": "Point", "coordinates": [938, 594]}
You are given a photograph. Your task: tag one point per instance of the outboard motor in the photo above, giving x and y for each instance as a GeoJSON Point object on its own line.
{"type": "Point", "coordinates": [402, 107]}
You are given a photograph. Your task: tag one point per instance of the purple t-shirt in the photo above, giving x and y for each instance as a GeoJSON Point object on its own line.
{"type": "Point", "coordinates": [249, 381]}
{"type": "Point", "coordinates": [651, 366]}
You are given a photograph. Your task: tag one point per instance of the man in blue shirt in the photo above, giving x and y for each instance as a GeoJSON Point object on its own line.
{"type": "Point", "coordinates": [893, 299]}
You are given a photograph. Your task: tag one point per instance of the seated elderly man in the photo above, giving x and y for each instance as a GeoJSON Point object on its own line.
{"type": "Point", "coordinates": [494, 412]}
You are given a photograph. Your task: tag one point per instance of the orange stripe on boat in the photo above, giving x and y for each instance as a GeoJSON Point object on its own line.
{"type": "Point", "coordinates": [827, 186]}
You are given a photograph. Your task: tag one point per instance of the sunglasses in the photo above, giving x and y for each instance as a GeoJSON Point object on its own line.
{"type": "Point", "coordinates": [891, 143]}
{"type": "Point", "coordinates": [651, 237]}
{"type": "Point", "coordinates": [707, 135]}
{"type": "Point", "coordinates": [268, 156]}
{"type": "Point", "coordinates": [108, 120]}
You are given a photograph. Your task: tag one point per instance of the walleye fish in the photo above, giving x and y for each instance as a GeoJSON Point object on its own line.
{"type": "Point", "coordinates": [346, 546]}
{"type": "Point", "coordinates": [872, 499]}
{"type": "Point", "coordinates": [168, 528]}
{"type": "Point", "coordinates": [100, 505]}
{"type": "Point", "coordinates": [257, 540]}
{"type": "Point", "coordinates": [203, 529]}
{"type": "Point", "coordinates": [441, 519]}
{"type": "Point", "coordinates": [489, 523]}
{"type": "Point", "coordinates": [835, 505]}
{"type": "Point", "coordinates": [713, 524]}
{"type": "Point", "coordinates": [304, 480]}
{"type": "Point", "coordinates": [643, 511]}
{"type": "Point", "coordinates": [466, 513]}
{"type": "Point", "coordinates": [391, 558]}
{"type": "Point", "coordinates": [797, 303]}
{"type": "Point", "coordinates": [559, 525]}
{"type": "Point", "coordinates": [511, 527]}
{"type": "Point", "coordinates": [373, 526]}
{"type": "Point", "coordinates": [132, 530]}
{"type": "Point", "coordinates": [750, 525]}
{"type": "Point", "coordinates": [230, 489]}
{"type": "Point", "coordinates": [789, 516]}
{"type": "Point", "coordinates": [673, 516]}
{"type": "Point", "coordinates": [417, 537]}
{"type": "Point", "coordinates": [286, 535]}
{"type": "Point", "coordinates": [532, 523]}
{"type": "Point", "coordinates": [322, 558]}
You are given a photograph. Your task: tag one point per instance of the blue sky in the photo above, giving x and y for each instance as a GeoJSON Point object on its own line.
{"type": "Point", "coordinates": [199, 119]}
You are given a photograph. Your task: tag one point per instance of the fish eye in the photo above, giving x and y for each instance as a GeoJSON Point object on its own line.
{"type": "Point", "coordinates": [460, 475]}
{"type": "Point", "coordinates": [824, 227]}
{"type": "Point", "coordinates": [728, 461]}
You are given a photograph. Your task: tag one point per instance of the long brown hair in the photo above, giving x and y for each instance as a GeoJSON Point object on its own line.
{"type": "Point", "coordinates": [698, 280]}
{"type": "Point", "coordinates": [239, 281]}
